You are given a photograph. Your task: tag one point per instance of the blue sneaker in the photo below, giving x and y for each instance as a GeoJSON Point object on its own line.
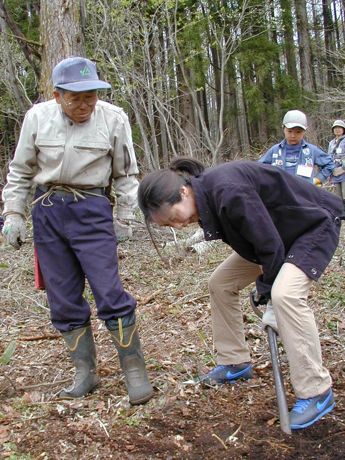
{"type": "Point", "coordinates": [227, 374]}
{"type": "Point", "coordinates": [305, 412]}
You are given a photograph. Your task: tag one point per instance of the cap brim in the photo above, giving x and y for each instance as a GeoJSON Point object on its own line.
{"type": "Point", "coordinates": [80, 86]}
{"type": "Point", "coordinates": [294, 125]}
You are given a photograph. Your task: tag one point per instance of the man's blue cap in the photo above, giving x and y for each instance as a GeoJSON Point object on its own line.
{"type": "Point", "coordinates": [77, 74]}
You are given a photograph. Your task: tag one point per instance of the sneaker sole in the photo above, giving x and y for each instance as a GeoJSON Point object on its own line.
{"type": "Point", "coordinates": [305, 425]}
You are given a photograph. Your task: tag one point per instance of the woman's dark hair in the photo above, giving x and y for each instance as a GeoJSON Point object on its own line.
{"type": "Point", "coordinates": [163, 186]}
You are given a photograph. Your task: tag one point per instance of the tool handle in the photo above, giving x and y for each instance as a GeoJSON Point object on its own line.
{"type": "Point", "coordinates": [278, 381]}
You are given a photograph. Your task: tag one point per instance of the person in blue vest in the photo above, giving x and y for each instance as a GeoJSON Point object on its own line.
{"type": "Point", "coordinates": [295, 155]}
{"type": "Point", "coordinates": [336, 148]}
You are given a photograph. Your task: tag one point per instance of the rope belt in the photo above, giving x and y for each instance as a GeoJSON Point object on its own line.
{"type": "Point", "coordinates": [63, 190]}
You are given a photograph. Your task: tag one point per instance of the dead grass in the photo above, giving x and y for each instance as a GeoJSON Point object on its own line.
{"type": "Point", "coordinates": [181, 421]}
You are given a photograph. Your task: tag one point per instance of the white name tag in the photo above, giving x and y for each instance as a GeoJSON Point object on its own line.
{"type": "Point", "coordinates": [304, 170]}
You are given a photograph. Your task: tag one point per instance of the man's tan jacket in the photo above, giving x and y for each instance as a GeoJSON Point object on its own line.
{"type": "Point", "coordinates": [52, 149]}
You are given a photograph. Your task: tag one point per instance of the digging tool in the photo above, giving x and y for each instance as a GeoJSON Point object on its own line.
{"type": "Point", "coordinates": [277, 374]}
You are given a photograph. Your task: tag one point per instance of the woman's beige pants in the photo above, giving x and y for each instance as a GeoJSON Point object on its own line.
{"type": "Point", "coordinates": [296, 322]}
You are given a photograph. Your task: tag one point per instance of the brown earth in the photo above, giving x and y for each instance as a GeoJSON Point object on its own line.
{"type": "Point", "coordinates": [182, 421]}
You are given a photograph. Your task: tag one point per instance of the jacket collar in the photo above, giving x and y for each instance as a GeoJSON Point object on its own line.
{"type": "Point", "coordinates": [283, 143]}
{"type": "Point", "coordinates": [208, 220]}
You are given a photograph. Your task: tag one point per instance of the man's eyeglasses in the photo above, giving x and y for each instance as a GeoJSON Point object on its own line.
{"type": "Point", "coordinates": [89, 99]}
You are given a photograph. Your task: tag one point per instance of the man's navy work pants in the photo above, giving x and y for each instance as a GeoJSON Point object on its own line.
{"type": "Point", "coordinates": [76, 240]}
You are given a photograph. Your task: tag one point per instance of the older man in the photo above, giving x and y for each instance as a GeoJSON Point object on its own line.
{"type": "Point", "coordinates": [71, 148]}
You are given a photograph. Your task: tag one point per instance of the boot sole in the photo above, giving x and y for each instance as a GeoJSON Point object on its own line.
{"type": "Point", "coordinates": [141, 400]}
{"type": "Point", "coordinates": [65, 395]}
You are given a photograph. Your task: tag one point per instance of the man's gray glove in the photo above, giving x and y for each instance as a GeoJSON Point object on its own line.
{"type": "Point", "coordinates": [268, 318]}
{"type": "Point", "coordinates": [338, 171]}
{"type": "Point", "coordinates": [14, 230]}
{"type": "Point", "coordinates": [123, 230]}
{"type": "Point", "coordinates": [201, 247]}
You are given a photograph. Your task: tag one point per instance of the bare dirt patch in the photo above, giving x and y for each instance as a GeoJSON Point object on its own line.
{"type": "Point", "coordinates": [182, 421]}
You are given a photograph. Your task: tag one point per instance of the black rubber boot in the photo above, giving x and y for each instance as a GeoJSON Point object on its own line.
{"type": "Point", "coordinates": [132, 361]}
{"type": "Point", "coordinates": [82, 350]}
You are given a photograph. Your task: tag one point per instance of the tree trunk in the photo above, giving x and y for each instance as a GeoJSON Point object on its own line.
{"type": "Point", "coordinates": [61, 37]}
{"type": "Point", "coordinates": [232, 143]}
{"type": "Point", "coordinates": [187, 141]}
{"type": "Point", "coordinates": [328, 27]}
{"type": "Point", "coordinates": [320, 74]}
{"type": "Point", "coordinates": [289, 45]}
{"type": "Point", "coordinates": [242, 123]}
{"type": "Point", "coordinates": [12, 81]}
{"type": "Point", "coordinates": [336, 24]}
{"type": "Point", "coordinates": [30, 49]}
{"type": "Point", "coordinates": [307, 78]}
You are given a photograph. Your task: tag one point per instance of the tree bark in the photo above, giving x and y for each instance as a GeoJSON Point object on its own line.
{"type": "Point", "coordinates": [320, 74]}
{"type": "Point", "coordinates": [305, 54]}
{"type": "Point", "coordinates": [328, 26]}
{"type": "Point", "coordinates": [61, 36]}
{"type": "Point", "coordinates": [12, 80]}
{"type": "Point", "coordinates": [289, 45]}
{"type": "Point", "coordinates": [31, 50]}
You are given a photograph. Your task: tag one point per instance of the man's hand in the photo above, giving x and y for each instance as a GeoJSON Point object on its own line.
{"type": "Point", "coordinates": [14, 230]}
{"type": "Point", "coordinates": [338, 171]}
{"type": "Point", "coordinates": [123, 230]}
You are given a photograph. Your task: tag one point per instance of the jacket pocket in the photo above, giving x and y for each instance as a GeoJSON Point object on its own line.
{"type": "Point", "coordinates": [50, 152]}
{"type": "Point", "coordinates": [92, 147]}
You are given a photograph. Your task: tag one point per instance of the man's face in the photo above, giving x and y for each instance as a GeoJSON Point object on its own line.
{"type": "Point", "coordinates": [293, 136]}
{"type": "Point", "coordinates": [77, 106]}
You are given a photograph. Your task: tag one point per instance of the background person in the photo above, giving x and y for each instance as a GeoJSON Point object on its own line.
{"type": "Point", "coordinates": [70, 148]}
{"type": "Point", "coordinates": [336, 148]}
{"type": "Point", "coordinates": [284, 232]}
{"type": "Point", "coordinates": [295, 155]}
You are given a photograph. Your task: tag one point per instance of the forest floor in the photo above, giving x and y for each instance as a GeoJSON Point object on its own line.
{"type": "Point", "coordinates": [181, 421]}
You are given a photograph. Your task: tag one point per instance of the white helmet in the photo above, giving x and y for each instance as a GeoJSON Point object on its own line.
{"type": "Point", "coordinates": [295, 119]}
{"type": "Point", "coordinates": [339, 123]}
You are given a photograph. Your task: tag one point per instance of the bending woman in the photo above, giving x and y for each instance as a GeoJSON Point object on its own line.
{"type": "Point", "coordinates": [284, 232]}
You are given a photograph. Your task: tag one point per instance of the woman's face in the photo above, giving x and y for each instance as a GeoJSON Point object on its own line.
{"type": "Point", "coordinates": [338, 131]}
{"type": "Point", "coordinates": [180, 214]}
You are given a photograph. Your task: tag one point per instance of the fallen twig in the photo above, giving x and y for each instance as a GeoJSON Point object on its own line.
{"type": "Point", "coordinates": [147, 299]}
{"type": "Point", "coordinates": [45, 384]}
{"type": "Point", "coordinates": [233, 438]}
{"type": "Point", "coordinates": [103, 426]}
{"type": "Point", "coordinates": [220, 440]}
{"type": "Point", "coordinates": [40, 337]}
